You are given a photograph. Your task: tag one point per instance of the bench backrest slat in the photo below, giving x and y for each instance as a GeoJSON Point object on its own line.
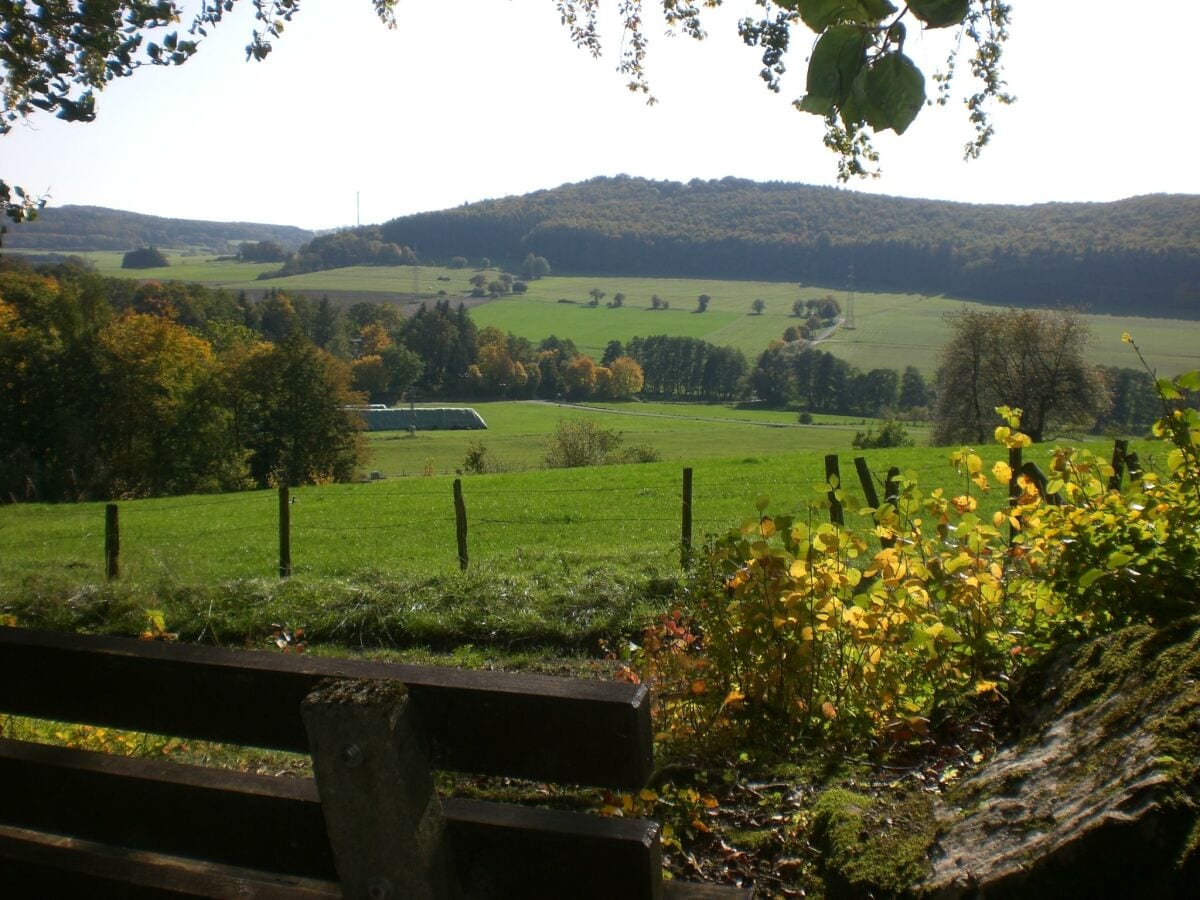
{"type": "Point", "coordinates": [538, 727]}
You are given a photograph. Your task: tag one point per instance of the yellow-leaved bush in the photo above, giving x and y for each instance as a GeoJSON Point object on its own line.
{"type": "Point", "coordinates": [792, 629]}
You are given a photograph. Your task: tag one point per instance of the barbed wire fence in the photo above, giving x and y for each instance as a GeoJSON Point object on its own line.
{"type": "Point", "coordinates": [465, 518]}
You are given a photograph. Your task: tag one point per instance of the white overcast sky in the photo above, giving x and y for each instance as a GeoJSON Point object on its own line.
{"type": "Point", "coordinates": [471, 99]}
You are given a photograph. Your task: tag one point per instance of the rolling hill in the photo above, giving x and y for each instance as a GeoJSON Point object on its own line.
{"type": "Point", "coordinates": [1138, 254]}
{"type": "Point", "coordinates": [71, 229]}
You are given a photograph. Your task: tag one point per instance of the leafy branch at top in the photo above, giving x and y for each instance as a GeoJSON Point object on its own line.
{"type": "Point", "coordinates": [859, 78]}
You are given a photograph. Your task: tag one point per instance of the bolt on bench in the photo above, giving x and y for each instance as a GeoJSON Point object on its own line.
{"type": "Point", "coordinates": [369, 824]}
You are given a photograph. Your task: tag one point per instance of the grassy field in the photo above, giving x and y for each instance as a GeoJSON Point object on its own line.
{"type": "Point", "coordinates": [681, 433]}
{"type": "Point", "coordinates": [533, 521]}
{"type": "Point", "coordinates": [889, 330]}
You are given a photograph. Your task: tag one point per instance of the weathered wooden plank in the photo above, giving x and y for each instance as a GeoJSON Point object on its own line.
{"type": "Point", "coordinates": [34, 864]}
{"type": "Point", "coordinates": [231, 817]}
{"type": "Point", "coordinates": [276, 824]}
{"type": "Point", "coordinates": [690, 890]}
{"type": "Point", "coordinates": [500, 850]}
{"type": "Point", "coordinates": [382, 814]}
{"type": "Point", "coordinates": [528, 726]}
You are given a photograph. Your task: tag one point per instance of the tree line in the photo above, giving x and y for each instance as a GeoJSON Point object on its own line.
{"type": "Point", "coordinates": [1142, 253]}
{"type": "Point", "coordinates": [102, 402]}
{"type": "Point", "coordinates": [120, 389]}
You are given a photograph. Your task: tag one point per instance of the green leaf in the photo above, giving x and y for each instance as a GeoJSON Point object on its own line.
{"type": "Point", "coordinates": [1167, 389]}
{"type": "Point", "coordinates": [836, 60]}
{"type": "Point", "coordinates": [820, 14]}
{"type": "Point", "coordinates": [940, 13]}
{"type": "Point", "coordinates": [761, 503]}
{"type": "Point", "coordinates": [1088, 578]}
{"type": "Point", "coordinates": [1189, 381]}
{"type": "Point", "coordinates": [1118, 558]}
{"type": "Point", "coordinates": [895, 90]}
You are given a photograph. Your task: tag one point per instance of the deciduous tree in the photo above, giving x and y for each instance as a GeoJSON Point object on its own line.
{"type": "Point", "coordinates": [294, 414]}
{"type": "Point", "coordinates": [1032, 360]}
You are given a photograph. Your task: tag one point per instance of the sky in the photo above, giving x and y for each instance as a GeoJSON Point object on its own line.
{"type": "Point", "coordinates": [349, 122]}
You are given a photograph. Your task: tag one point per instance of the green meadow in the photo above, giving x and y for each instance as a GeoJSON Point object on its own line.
{"type": "Point", "coordinates": [624, 517]}
{"type": "Point", "coordinates": [883, 330]}
{"type": "Point", "coordinates": [888, 330]}
{"type": "Point", "coordinates": [682, 433]}
{"type": "Point", "coordinates": [522, 519]}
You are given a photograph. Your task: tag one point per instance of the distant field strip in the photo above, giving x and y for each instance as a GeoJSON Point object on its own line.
{"type": "Point", "coordinates": [883, 330]}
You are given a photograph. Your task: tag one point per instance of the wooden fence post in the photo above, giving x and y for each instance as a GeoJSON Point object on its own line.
{"type": "Point", "coordinates": [871, 495]}
{"type": "Point", "coordinates": [460, 523]}
{"type": "Point", "coordinates": [1120, 449]}
{"type": "Point", "coordinates": [285, 533]}
{"type": "Point", "coordinates": [1031, 471]}
{"type": "Point", "coordinates": [383, 817]}
{"type": "Point", "coordinates": [833, 477]}
{"type": "Point", "coordinates": [1134, 465]}
{"type": "Point", "coordinates": [1014, 487]}
{"type": "Point", "coordinates": [112, 542]}
{"type": "Point", "coordinates": [685, 540]}
{"type": "Point", "coordinates": [891, 486]}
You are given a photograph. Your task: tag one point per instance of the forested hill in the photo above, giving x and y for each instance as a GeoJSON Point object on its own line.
{"type": "Point", "coordinates": [71, 229]}
{"type": "Point", "coordinates": [1139, 254]}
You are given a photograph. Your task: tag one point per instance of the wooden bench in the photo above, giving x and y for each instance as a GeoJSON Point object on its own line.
{"type": "Point", "coordinates": [75, 822]}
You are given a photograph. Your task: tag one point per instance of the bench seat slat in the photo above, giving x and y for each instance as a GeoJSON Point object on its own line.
{"type": "Point", "coordinates": [271, 823]}
{"type": "Point", "coordinates": [543, 728]}
{"type": "Point", "coordinates": [36, 864]}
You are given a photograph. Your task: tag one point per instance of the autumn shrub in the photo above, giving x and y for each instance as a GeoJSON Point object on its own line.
{"type": "Point", "coordinates": [1120, 558]}
{"type": "Point", "coordinates": [792, 628]}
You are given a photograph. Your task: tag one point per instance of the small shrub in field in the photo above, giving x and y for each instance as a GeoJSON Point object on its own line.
{"type": "Point", "coordinates": [582, 443]}
{"type": "Point", "coordinates": [640, 453]}
{"type": "Point", "coordinates": [477, 460]}
{"type": "Point", "coordinates": [891, 434]}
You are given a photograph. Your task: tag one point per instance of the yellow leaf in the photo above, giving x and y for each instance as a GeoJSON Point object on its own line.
{"type": "Point", "coordinates": [828, 710]}
{"type": "Point", "coordinates": [734, 696]}
{"type": "Point", "coordinates": [806, 633]}
{"type": "Point", "coordinates": [983, 687]}
{"type": "Point", "coordinates": [647, 795]}
{"type": "Point", "coordinates": [974, 464]}
{"type": "Point", "coordinates": [1002, 472]}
